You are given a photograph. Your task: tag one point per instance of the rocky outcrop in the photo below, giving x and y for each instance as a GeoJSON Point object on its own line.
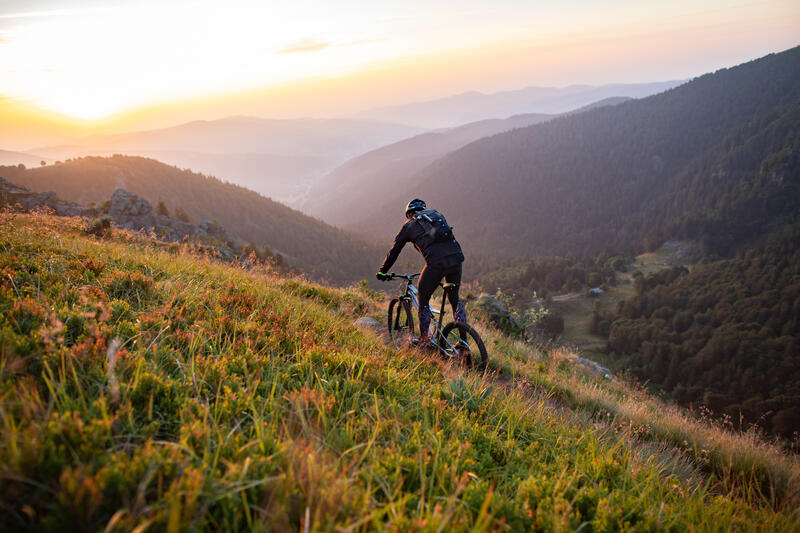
{"type": "Point", "coordinates": [135, 213]}
{"type": "Point", "coordinates": [126, 204]}
{"type": "Point", "coordinates": [14, 195]}
{"type": "Point", "coordinates": [127, 210]}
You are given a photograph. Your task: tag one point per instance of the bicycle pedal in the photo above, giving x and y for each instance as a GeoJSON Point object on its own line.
{"type": "Point", "coordinates": [422, 344]}
{"type": "Point", "coordinates": [462, 347]}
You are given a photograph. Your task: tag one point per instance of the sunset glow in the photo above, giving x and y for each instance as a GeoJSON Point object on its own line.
{"type": "Point", "coordinates": [91, 60]}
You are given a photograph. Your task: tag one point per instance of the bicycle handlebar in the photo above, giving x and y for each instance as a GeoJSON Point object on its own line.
{"type": "Point", "coordinates": [408, 277]}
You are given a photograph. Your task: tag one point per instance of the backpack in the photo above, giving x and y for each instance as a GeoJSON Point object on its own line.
{"type": "Point", "coordinates": [435, 225]}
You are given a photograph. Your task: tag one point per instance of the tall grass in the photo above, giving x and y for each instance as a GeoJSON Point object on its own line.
{"type": "Point", "coordinates": [146, 387]}
{"type": "Point", "coordinates": [741, 462]}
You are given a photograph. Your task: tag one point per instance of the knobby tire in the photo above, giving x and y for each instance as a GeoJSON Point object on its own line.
{"type": "Point", "coordinates": [400, 322]}
{"type": "Point", "coordinates": [477, 358]}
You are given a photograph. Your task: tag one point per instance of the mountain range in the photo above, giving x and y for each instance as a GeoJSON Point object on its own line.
{"type": "Point", "coordinates": [285, 158]}
{"type": "Point", "coordinates": [361, 181]}
{"type": "Point", "coordinates": [474, 106]}
{"type": "Point", "coordinates": [277, 158]}
{"type": "Point", "coordinates": [11, 157]}
{"type": "Point", "coordinates": [621, 176]}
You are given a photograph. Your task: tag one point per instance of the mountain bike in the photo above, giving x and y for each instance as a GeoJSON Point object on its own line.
{"type": "Point", "coordinates": [456, 341]}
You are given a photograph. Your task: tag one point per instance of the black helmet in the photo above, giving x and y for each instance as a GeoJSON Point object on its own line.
{"type": "Point", "coordinates": [414, 205]}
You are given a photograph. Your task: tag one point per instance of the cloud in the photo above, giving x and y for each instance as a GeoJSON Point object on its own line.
{"type": "Point", "coordinates": [310, 45]}
{"type": "Point", "coordinates": [306, 45]}
{"type": "Point", "coordinates": [363, 41]}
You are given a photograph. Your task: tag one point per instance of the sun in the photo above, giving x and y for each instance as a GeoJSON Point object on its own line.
{"type": "Point", "coordinates": [88, 106]}
{"type": "Point", "coordinates": [92, 64]}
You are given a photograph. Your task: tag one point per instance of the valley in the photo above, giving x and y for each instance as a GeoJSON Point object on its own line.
{"type": "Point", "coordinates": [576, 308]}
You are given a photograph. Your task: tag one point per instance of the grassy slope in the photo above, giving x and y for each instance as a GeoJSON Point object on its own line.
{"type": "Point", "coordinates": [238, 399]}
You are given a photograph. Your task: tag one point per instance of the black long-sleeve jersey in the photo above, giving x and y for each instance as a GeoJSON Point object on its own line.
{"type": "Point", "coordinates": [437, 254]}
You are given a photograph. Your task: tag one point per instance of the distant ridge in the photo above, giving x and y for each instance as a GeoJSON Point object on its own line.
{"type": "Point", "coordinates": [9, 157]}
{"type": "Point", "coordinates": [279, 158]}
{"type": "Point", "coordinates": [473, 106]}
{"type": "Point", "coordinates": [246, 134]}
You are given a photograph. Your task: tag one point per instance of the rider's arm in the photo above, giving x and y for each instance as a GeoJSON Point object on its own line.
{"type": "Point", "coordinates": [399, 241]}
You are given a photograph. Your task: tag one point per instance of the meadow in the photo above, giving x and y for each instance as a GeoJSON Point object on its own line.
{"type": "Point", "coordinates": [147, 386]}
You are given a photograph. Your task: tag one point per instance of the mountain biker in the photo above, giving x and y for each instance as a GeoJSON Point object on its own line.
{"type": "Point", "coordinates": [443, 259]}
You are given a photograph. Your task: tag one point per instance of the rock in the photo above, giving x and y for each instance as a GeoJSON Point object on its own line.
{"type": "Point", "coordinates": [492, 305]}
{"type": "Point", "coordinates": [209, 228]}
{"type": "Point", "coordinates": [226, 253]}
{"type": "Point", "coordinates": [366, 322]}
{"type": "Point", "coordinates": [11, 194]}
{"type": "Point", "coordinates": [48, 197]}
{"type": "Point", "coordinates": [594, 368]}
{"type": "Point", "coordinates": [126, 204]}
{"type": "Point", "coordinates": [135, 213]}
{"type": "Point", "coordinates": [499, 314]}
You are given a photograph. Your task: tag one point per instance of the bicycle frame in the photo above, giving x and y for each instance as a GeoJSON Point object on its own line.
{"type": "Point", "coordinates": [411, 293]}
{"type": "Point", "coordinates": [461, 347]}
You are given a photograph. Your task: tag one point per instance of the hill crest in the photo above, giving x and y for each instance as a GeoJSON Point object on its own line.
{"type": "Point", "coordinates": [312, 246]}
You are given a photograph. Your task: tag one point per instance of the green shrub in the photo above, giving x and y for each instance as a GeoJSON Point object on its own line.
{"type": "Point", "coordinates": [100, 225]}
{"type": "Point", "coordinates": [129, 286]}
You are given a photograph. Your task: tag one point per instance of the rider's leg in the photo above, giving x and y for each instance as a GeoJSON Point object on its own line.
{"type": "Point", "coordinates": [453, 275]}
{"type": "Point", "coordinates": [428, 281]}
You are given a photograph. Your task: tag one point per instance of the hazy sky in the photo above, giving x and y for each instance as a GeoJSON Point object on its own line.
{"type": "Point", "coordinates": [92, 59]}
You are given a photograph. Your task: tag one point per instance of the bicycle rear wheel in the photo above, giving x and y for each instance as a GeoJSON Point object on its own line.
{"type": "Point", "coordinates": [400, 322]}
{"type": "Point", "coordinates": [463, 344]}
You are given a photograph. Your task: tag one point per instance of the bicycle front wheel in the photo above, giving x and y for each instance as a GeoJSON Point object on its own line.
{"type": "Point", "coordinates": [463, 344]}
{"type": "Point", "coordinates": [400, 322]}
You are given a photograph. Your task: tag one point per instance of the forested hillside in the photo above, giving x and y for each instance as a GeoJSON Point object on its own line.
{"type": "Point", "coordinates": [622, 176]}
{"type": "Point", "coordinates": [725, 334]}
{"type": "Point", "coordinates": [367, 179]}
{"type": "Point", "coordinates": [742, 189]}
{"type": "Point", "coordinates": [320, 250]}
{"type": "Point", "coordinates": [382, 175]}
